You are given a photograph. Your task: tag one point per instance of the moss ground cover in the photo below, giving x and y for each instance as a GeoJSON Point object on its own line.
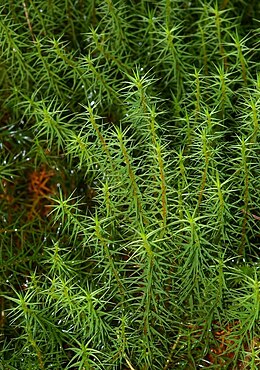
{"type": "Point", "coordinates": [129, 184]}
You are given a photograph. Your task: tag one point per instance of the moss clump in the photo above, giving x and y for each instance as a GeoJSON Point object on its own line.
{"type": "Point", "coordinates": [129, 184]}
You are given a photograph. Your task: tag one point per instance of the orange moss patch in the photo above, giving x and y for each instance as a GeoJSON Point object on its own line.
{"type": "Point", "coordinates": [220, 353]}
{"type": "Point", "coordinates": [40, 189]}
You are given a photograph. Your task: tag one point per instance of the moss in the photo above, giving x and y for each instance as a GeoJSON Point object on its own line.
{"type": "Point", "coordinates": [129, 184]}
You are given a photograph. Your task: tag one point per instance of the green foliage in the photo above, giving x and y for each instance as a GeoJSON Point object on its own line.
{"type": "Point", "coordinates": [129, 184]}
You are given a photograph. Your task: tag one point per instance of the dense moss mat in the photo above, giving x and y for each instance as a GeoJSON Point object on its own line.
{"type": "Point", "coordinates": [129, 184]}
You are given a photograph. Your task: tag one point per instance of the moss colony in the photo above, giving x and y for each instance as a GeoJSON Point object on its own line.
{"type": "Point", "coordinates": [129, 184]}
